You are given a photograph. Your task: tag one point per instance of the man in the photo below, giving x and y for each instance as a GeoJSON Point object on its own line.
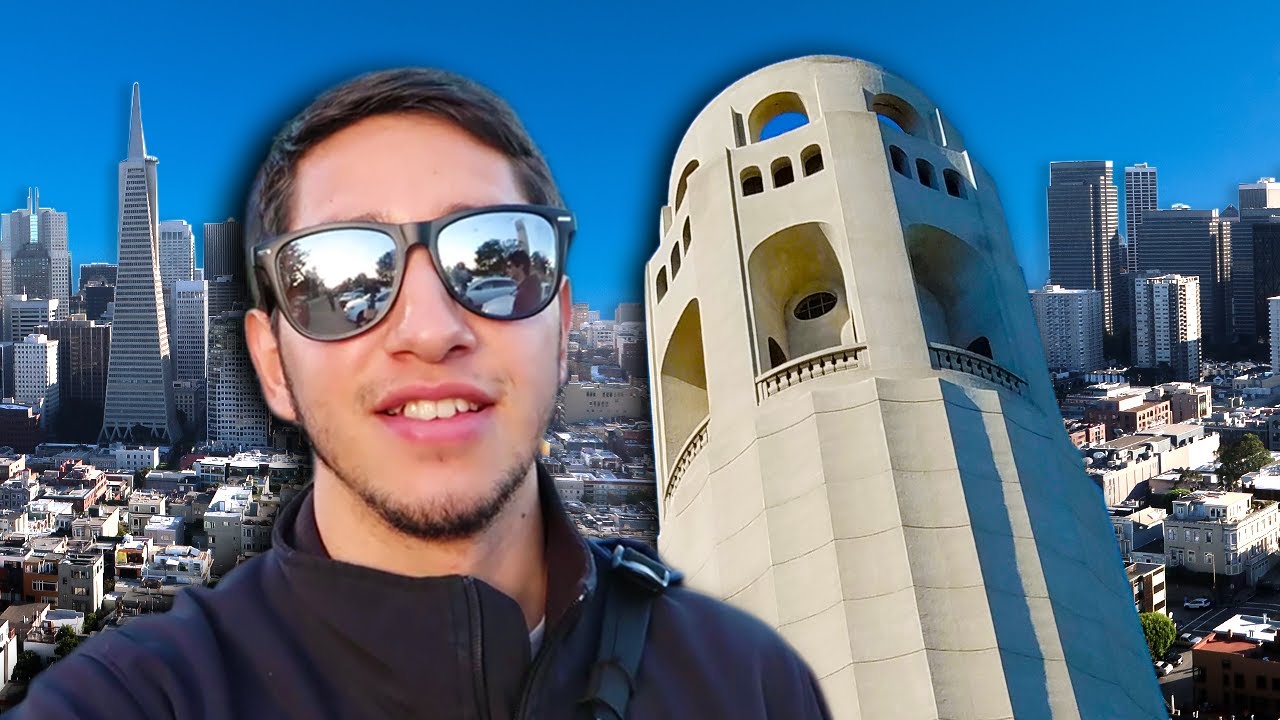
{"type": "Point", "coordinates": [429, 570]}
{"type": "Point", "coordinates": [528, 286]}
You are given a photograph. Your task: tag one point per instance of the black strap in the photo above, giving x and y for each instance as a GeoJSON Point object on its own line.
{"type": "Point", "coordinates": [637, 582]}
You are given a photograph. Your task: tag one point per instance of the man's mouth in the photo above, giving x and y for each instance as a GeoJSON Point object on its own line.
{"type": "Point", "coordinates": [441, 409]}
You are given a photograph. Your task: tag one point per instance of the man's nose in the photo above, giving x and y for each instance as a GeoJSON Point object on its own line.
{"type": "Point", "coordinates": [425, 320]}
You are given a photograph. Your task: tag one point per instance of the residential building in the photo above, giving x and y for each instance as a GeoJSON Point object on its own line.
{"type": "Point", "coordinates": [40, 576]}
{"type": "Point", "coordinates": [20, 427]}
{"type": "Point", "coordinates": [1187, 242]}
{"type": "Point", "coordinates": [579, 317]}
{"type": "Point", "coordinates": [1083, 434]}
{"type": "Point", "coordinates": [1235, 668]}
{"type": "Point", "coordinates": [584, 401]}
{"type": "Point", "coordinates": [144, 505]}
{"type": "Point", "coordinates": [1128, 414]}
{"type": "Point", "coordinates": [1148, 583]}
{"type": "Point", "coordinates": [101, 521]}
{"type": "Point", "coordinates": [1070, 323]}
{"type": "Point", "coordinates": [140, 376]}
{"type": "Point", "coordinates": [164, 530]}
{"type": "Point", "coordinates": [1136, 528]}
{"type": "Point", "coordinates": [1226, 533]}
{"type": "Point", "coordinates": [1188, 402]}
{"type": "Point", "coordinates": [1141, 193]}
{"type": "Point", "coordinates": [1084, 232]}
{"type": "Point", "coordinates": [180, 565]}
{"type": "Point", "coordinates": [80, 578]}
{"type": "Point", "coordinates": [1167, 324]}
{"type": "Point", "coordinates": [1122, 467]}
{"type": "Point", "coordinates": [36, 376]}
{"type": "Point", "coordinates": [132, 557]}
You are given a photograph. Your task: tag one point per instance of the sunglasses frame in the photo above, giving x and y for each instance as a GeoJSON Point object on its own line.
{"type": "Point", "coordinates": [266, 256]}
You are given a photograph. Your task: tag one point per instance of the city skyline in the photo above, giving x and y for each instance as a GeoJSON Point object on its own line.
{"type": "Point", "coordinates": [211, 114]}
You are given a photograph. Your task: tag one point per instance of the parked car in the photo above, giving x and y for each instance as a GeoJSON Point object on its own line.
{"type": "Point", "coordinates": [1163, 668]}
{"type": "Point", "coordinates": [1196, 603]}
{"type": "Point", "coordinates": [1268, 586]}
{"type": "Point", "coordinates": [482, 290]}
{"type": "Point", "coordinates": [1187, 640]}
{"type": "Point", "coordinates": [356, 307]}
{"type": "Point", "coordinates": [1174, 658]}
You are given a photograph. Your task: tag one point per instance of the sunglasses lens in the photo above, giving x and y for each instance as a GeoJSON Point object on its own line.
{"type": "Point", "coordinates": [502, 265]}
{"type": "Point", "coordinates": [336, 281]}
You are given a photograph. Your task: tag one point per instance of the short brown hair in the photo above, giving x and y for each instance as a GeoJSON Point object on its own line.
{"type": "Point", "coordinates": [474, 108]}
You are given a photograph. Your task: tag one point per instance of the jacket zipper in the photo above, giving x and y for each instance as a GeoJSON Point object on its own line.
{"type": "Point", "coordinates": [544, 653]}
{"type": "Point", "coordinates": [476, 632]}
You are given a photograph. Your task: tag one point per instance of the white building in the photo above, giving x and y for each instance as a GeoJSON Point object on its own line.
{"type": "Point", "coordinates": [1227, 533]}
{"type": "Point", "coordinates": [1167, 324]}
{"type": "Point", "coordinates": [237, 415]}
{"type": "Point", "coordinates": [1273, 303]}
{"type": "Point", "coordinates": [1141, 193]}
{"type": "Point", "coordinates": [177, 253]}
{"type": "Point", "coordinates": [191, 329]}
{"type": "Point", "coordinates": [599, 333]}
{"type": "Point", "coordinates": [164, 530]}
{"type": "Point", "coordinates": [36, 376]}
{"type": "Point", "coordinates": [593, 401]}
{"type": "Point", "coordinates": [180, 565]}
{"type": "Point", "coordinates": [1070, 323]}
{"type": "Point", "coordinates": [22, 315]}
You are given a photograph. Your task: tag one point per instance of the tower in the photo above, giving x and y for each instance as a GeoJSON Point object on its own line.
{"type": "Point", "coordinates": [1084, 235]}
{"type": "Point", "coordinates": [140, 375]}
{"type": "Point", "coordinates": [856, 437]}
{"type": "Point", "coordinates": [1141, 193]}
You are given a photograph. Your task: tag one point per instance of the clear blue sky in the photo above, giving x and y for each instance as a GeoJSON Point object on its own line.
{"type": "Point", "coordinates": [607, 89]}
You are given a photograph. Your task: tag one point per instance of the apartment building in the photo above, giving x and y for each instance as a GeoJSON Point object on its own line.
{"type": "Point", "coordinates": [1226, 533]}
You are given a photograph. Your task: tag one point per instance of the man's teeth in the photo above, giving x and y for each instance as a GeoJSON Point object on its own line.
{"type": "Point", "coordinates": [432, 409]}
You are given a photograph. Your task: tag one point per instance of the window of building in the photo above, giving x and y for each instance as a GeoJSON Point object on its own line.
{"type": "Point", "coordinates": [811, 160]}
{"type": "Point", "coordinates": [924, 172]}
{"type": "Point", "coordinates": [954, 183]}
{"type": "Point", "coordinates": [782, 172]}
{"type": "Point", "coordinates": [814, 306]}
{"type": "Point", "coordinates": [752, 181]}
{"type": "Point", "coordinates": [898, 159]}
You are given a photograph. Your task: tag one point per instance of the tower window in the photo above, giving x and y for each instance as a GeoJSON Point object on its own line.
{"type": "Point", "coordinates": [925, 172]}
{"type": "Point", "coordinates": [675, 261]}
{"type": "Point", "coordinates": [662, 283]}
{"type": "Point", "coordinates": [688, 235]}
{"type": "Point", "coordinates": [954, 182]}
{"type": "Point", "coordinates": [782, 172]}
{"type": "Point", "coordinates": [899, 160]}
{"type": "Point", "coordinates": [752, 182]}
{"type": "Point", "coordinates": [811, 160]}
{"type": "Point", "coordinates": [814, 306]}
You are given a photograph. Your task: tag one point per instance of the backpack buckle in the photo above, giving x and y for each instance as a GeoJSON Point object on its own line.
{"type": "Point", "coordinates": [641, 569]}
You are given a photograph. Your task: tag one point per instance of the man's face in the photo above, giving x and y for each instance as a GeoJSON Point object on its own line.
{"type": "Point", "coordinates": [441, 478]}
{"type": "Point", "coordinates": [514, 272]}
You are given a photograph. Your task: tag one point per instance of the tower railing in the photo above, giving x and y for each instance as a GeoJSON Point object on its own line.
{"type": "Point", "coordinates": [697, 440]}
{"type": "Point", "coordinates": [807, 367]}
{"type": "Point", "coordinates": [948, 357]}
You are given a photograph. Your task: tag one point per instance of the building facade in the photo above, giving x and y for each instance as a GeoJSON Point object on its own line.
{"type": "Point", "coordinates": [237, 415]}
{"type": "Point", "coordinates": [1259, 205]}
{"type": "Point", "coordinates": [1225, 533]}
{"type": "Point", "coordinates": [84, 352]}
{"type": "Point", "coordinates": [36, 376]}
{"type": "Point", "coordinates": [1141, 193]}
{"type": "Point", "coordinates": [224, 251]}
{"type": "Point", "coordinates": [1167, 324]}
{"type": "Point", "coordinates": [861, 471]}
{"type": "Point", "coordinates": [1070, 323]}
{"type": "Point", "coordinates": [1084, 230]}
{"type": "Point", "coordinates": [1187, 242]}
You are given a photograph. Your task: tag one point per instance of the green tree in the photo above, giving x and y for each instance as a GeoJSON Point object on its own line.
{"type": "Point", "coordinates": [1159, 631]}
{"type": "Point", "coordinates": [1176, 493]}
{"type": "Point", "coordinates": [65, 641]}
{"type": "Point", "coordinates": [1188, 475]}
{"type": "Point", "coordinates": [1241, 458]}
{"type": "Point", "coordinates": [27, 667]}
{"type": "Point", "coordinates": [90, 622]}
{"type": "Point", "coordinates": [491, 258]}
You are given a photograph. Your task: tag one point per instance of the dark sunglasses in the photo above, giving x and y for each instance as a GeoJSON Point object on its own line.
{"type": "Point", "coordinates": [335, 281]}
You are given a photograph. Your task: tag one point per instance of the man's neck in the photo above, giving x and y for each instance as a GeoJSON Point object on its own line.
{"type": "Point", "coordinates": [509, 554]}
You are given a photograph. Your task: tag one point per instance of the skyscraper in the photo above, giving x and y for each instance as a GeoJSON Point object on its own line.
{"type": "Point", "coordinates": [579, 316]}
{"type": "Point", "coordinates": [1182, 241]}
{"type": "Point", "coordinates": [36, 381]}
{"type": "Point", "coordinates": [237, 415]}
{"type": "Point", "coordinates": [104, 273]}
{"type": "Point", "coordinates": [1167, 324]}
{"type": "Point", "coordinates": [140, 376]}
{"type": "Point", "coordinates": [224, 250]}
{"type": "Point", "coordinates": [177, 253]}
{"type": "Point", "coordinates": [1259, 204]}
{"type": "Point", "coordinates": [1070, 323]}
{"type": "Point", "coordinates": [84, 351]}
{"type": "Point", "coordinates": [22, 315]}
{"type": "Point", "coordinates": [628, 312]}
{"type": "Point", "coordinates": [40, 263]}
{"type": "Point", "coordinates": [1273, 305]}
{"type": "Point", "coordinates": [191, 329]}
{"type": "Point", "coordinates": [1084, 233]}
{"type": "Point", "coordinates": [1140, 194]}
{"type": "Point", "coordinates": [887, 482]}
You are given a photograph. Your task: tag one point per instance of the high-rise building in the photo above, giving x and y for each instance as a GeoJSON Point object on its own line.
{"type": "Point", "coordinates": [96, 298]}
{"type": "Point", "coordinates": [1070, 323]}
{"type": "Point", "coordinates": [177, 253]}
{"type": "Point", "coordinates": [1084, 235]}
{"type": "Point", "coordinates": [225, 294]}
{"type": "Point", "coordinates": [1187, 242]}
{"type": "Point", "coordinates": [629, 312]}
{"type": "Point", "coordinates": [22, 315]}
{"type": "Point", "coordinates": [1167, 324]}
{"type": "Point", "coordinates": [36, 376]}
{"type": "Point", "coordinates": [1274, 307]}
{"type": "Point", "coordinates": [579, 317]}
{"type": "Point", "coordinates": [103, 273]}
{"type": "Point", "coordinates": [40, 256]}
{"type": "Point", "coordinates": [888, 483]}
{"type": "Point", "coordinates": [84, 351]}
{"type": "Point", "coordinates": [1140, 194]}
{"type": "Point", "coordinates": [224, 250]}
{"type": "Point", "coordinates": [191, 329]}
{"type": "Point", "coordinates": [140, 376]}
{"type": "Point", "coordinates": [1259, 205]}
{"type": "Point", "coordinates": [237, 415]}
{"type": "Point", "coordinates": [7, 368]}
{"type": "Point", "coordinates": [1266, 269]}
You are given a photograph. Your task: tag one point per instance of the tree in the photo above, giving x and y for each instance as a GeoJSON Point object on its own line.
{"type": "Point", "coordinates": [491, 259]}
{"type": "Point", "coordinates": [1178, 493]}
{"type": "Point", "coordinates": [1241, 458]}
{"type": "Point", "coordinates": [66, 640]}
{"type": "Point", "coordinates": [1159, 631]}
{"type": "Point", "coordinates": [90, 622]}
{"type": "Point", "coordinates": [1188, 475]}
{"type": "Point", "coordinates": [27, 667]}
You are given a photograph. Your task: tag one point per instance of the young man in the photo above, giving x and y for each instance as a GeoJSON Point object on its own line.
{"type": "Point", "coordinates": [528, 286]}
{"type": "Point", "coordinates": [429, 570]}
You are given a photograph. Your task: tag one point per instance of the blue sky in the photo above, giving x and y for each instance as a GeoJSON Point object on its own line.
{"type": "Point", "coordinates": [607, 89]}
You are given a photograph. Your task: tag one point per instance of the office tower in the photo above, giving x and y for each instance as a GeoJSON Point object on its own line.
{"type": "Point", "coordinates": [97, 298]}
{"type": "Point", "coordinates": [1070, 323]}
{"type": "Point", "coordinates": [84, 350]}
{"type": "Point", "coordinates": [887, 482]}
{"type": "Point", "coordinates": [1167, 324]}
{"type": "Point", "coordinates": [1266, 270]}
{"type": "Point", "coordinates": [40, 258]}
{"type": "Point", "coordinates": [8, 371]}
{"type": "Point", "coordinates": [1259, 205]}
{"type": "Point", "coordinates": [198, 274]}
{"type": "Point", "coordinates": [579, 317]}
{"type": "Point", "coordinates": [177, 253]}
{"type": "Point", "coordinates": [1274, 308]}
{"type": "Point", "coordinates": [191, 324]}
{"type": "Point", "coordinates": [224, 250]}
{"type": "Point", "coordinates": [1187, 242]}
{"type": "Point", "coordinates": [237, 415]}
{"type": "Point", "coordinates": [139, 397]}
{"type": "Point", "coordinates": [1140, 195]}
{"type": "Point", "coordinates": [225, 294]}
{"type": "Point", "coordinates": [629, 312]}
{"type": "Point", "coordinates": [22, 315]}
{"type": "Point", "coordinates": [1084, 230]}
{"type": "Point", "coordinates": [103, 273]}
{"type": "Point", "coordinates": [36, 376]}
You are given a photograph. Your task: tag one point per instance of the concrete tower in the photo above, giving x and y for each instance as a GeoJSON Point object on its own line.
{"type": "Point", "coordinates": [856, 436]}
{"type": "Point", "coordinates": [140, 376]}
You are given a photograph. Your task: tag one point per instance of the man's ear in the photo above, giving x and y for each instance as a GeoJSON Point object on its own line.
{"type": "Point", "coordinates": [566, 322]}
{"type": "Point", "coordinates": [264, 351]}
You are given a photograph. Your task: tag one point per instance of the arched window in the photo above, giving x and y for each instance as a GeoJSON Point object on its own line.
{"type": "Point", "coordinates": [924, 171]}
{"type": "Point", "coordinates": [683, 185]}
{"type": "Point", "coordinates": [897, 114]}
{"type": "Point", "coordinates": [782, 172]}
{"type": "Point", "coordinates": [776, 356]}
{"type": "Point", "coordinates": [981, 346]}
{"type": "Point", "coordinates": [811, 160]}
{"type": "Point", "coordinates": [752, 182]}
{"type": "Point", "coordinates": [688, 236]}
{"type": "Point", "coordinates": [899, 160]}
{"type": "Point", "coordinates": [954, 182]}
{"type": "Point", "coordinates": [779, 113]}
{"type": "Point", "coordinates": [662, 283]}
{"type": "Point", "coordinates": [675, 261]}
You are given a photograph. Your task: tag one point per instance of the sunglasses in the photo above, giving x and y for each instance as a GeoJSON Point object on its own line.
{"type": "Point", "coordinates": [335, 281]}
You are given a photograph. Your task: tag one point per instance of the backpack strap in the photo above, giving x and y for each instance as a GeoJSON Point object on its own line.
{"type": "Point", "coordinates": [637, 581]}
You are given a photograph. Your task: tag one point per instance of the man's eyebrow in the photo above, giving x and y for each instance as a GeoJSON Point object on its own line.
{"type": "Point", "coordinates": [379, 216]}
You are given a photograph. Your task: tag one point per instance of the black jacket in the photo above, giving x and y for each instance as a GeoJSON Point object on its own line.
{"type": "Point", "coordinates": [295, 634]}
